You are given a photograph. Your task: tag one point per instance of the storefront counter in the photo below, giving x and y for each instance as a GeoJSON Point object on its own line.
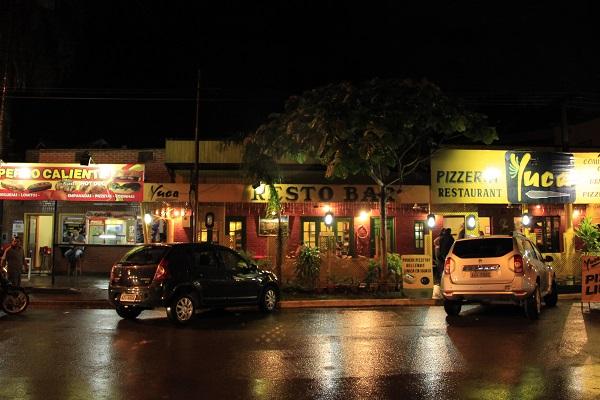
{"type": "Point", "coordinates": [96, 258]}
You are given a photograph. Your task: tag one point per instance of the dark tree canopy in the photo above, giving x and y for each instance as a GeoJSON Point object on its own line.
{"type": "Point", "coordinates": [383, 128]}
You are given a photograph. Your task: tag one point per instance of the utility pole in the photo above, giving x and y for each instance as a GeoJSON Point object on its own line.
{"type": "Point", "coordinates": [564, 127]}
{"type": "Point", "coordinates": [194, 177]}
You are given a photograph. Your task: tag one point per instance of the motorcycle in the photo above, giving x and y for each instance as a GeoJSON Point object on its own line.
{"type": "Point", "coordinates": [13, 299]}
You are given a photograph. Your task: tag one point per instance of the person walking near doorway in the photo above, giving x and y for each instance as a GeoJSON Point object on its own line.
{"type": "Point", "coordinates": [13, 260]}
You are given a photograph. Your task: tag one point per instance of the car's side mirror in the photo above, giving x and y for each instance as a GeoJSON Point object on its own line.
{"type": "Point", "coordinates": [548, 259]}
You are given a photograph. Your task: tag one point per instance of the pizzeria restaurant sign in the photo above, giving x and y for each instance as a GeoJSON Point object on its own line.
{"type": "Point", "coordinates": [517, 177]}
{"type": "Point", "coordinates": [72, 182]}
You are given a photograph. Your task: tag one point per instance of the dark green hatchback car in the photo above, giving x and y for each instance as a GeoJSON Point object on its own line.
{"type": "Point", "coordinates": [185, 277]}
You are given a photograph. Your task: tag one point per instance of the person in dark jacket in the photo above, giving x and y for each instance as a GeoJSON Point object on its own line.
{"type": "Point", "coordinates": [14, 261]}
{"type": "Point", "coordinates": [446, 241]}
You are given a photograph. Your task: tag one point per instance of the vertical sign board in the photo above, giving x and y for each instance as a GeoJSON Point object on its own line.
{"type": "Point", "coordinates": [417, 271]}
{"type": "Point", "coordinates": [590, 279]}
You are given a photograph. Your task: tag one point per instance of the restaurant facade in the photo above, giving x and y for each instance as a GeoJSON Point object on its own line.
{"type": "Point", "coordinates": [543, 194]}
{"type": "Point", "coordinates": [127, 197]}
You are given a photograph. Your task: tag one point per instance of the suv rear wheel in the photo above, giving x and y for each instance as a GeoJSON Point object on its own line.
{"type": "Point", "coordinates": [268, 299]}
{"type": "Point", "coordinates": [182, 309]}
{"type": "Point", "coordinates": [128, 312]}
{"type": "Point", "coordinates": [452, 307]}
{"type": "Point", "coordinates": [533, 304]}
{"type": "Point", "coordinates": [552, 298]}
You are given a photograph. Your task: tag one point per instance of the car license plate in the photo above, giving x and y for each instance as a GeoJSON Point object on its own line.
{"type": "Point", "coordinates": [481, 274]}
{"type": "Point", "coordinates": [129, 297]}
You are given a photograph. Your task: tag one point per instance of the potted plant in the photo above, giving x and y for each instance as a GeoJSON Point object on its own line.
{"type": "Point", "coordinates": [589, 235]}
{"type": "Point", "coordinates": [308, 266]}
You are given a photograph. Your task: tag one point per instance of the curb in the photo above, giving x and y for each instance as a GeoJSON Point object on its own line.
{"type": "Point", "coordinates": [58, 302]}
{"type": "Point", "coordinates": [358, 303]}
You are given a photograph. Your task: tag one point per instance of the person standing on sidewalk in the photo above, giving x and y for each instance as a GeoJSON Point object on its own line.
{"type": "Point", "coordinates": [14, 261]}
{"type": "Point", "coordinates": [446, 241]}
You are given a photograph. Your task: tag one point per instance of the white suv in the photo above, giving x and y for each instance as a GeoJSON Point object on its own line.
{"type": "Point", "coordinates": [499, 268]}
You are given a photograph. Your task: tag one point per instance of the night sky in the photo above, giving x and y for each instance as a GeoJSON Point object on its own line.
{"type": "Point", "coordinates": [125, 71]}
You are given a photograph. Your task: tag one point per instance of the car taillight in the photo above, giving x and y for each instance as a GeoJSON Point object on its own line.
{"type": "Point", "coordinates": [112, 273]}
{"type": "Point", "coordinates": [518, 264]}
{"type": "Point", "coordinates": [161, 272]}
{"type": "Point", "coordinates": [447, 265]}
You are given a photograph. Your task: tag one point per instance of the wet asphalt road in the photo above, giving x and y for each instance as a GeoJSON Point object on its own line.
{"type": "Point", "coordinates": [399, 352]}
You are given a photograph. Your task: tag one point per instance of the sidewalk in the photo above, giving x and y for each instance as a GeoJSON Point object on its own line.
{"type": "Point", "coordinates": [90, 291]}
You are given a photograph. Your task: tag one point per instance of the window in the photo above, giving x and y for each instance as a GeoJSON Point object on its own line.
{"type": "Point", "coordinates": [110, 230]}
{"type": "Point", "coordinates": [419, 231]}
{"type": "Point", "coordinates": [70, 224]}
{"type": "Point", "coordinates": [235, 231]}
{"type": "Point", "coordinates": [233, 262]}
{"type": "Point", "coordinates": [338, 236]}
{"type": "Point", "coordinates": [546, 230]}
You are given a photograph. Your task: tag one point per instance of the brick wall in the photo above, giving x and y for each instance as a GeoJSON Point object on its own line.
{"type": "Point", "coordinates": [156, 170]}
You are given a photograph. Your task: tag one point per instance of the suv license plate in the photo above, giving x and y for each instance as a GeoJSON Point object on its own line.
{"type": "Point", "coordinates": [481, 274]}
{"type": "Point", "coordinates": [129, 297]}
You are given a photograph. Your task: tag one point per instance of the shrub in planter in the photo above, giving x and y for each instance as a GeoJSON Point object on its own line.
{"type": "Point", "coordinates": [589, 235]}
{"type": "Point", "coordinates": [394, 271]}
{"type": "Point", "coordinates": [308, 266]}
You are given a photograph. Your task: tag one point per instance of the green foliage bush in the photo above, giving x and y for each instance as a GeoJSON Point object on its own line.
{"type": "Point", "coordinates": [394, 269]}
{"type": "Point", "coordinates": [308, 266]}
{"type": "Point", "coordinates": [589, 234]}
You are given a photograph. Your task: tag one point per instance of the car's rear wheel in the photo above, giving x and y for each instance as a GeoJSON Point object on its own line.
{"type": "Point", "coordinates": [182, 309]}
{"type": "Point", "coordinates": [268, 299]}
{"type": "Point", "coordinates": [552, 298]}
{"type": "Point", "coordinates": [533, 304]}
{"type": "Point", "coordinates": [128, 312]}
{"type": "Point", "coordinates": [452, 307]}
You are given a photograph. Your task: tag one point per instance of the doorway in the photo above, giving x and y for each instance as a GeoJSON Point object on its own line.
{"type": "Point", "coordinates": [38, 241]}
{"type": "Point", "coordinates": [455, 223]}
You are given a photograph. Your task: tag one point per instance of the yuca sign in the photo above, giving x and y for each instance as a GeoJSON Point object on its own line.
{"type": "Point", "coordinates": [72, 182]}
{"type": "Point", "coordinates": [590, 279]}
{"type": "Point", "coordinates": [518, 177]}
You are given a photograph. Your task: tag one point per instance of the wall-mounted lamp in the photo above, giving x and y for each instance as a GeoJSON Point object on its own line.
{"type": "Point", "coordinates": [259, 187]}
{"type": "Point", "coordinates": [328, 218]}
{"type": "Point", "coordinates": [147, 218]}
{"type": "Point", "coordinates": [471, 222]}
{"type": "Point", "coordinates": [431, 221]}
{"type": "Point", "coordinates": [526, 219]}
{"type": "Point", "coordinates": [209, 220]}
{"type": "Point", "coordinates": [363, 216]}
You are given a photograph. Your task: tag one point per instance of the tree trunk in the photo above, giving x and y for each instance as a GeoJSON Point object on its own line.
{"type": "Point", "coordinates": [383, 233]}
{"type": "Point", "coordinates": [279, 256]}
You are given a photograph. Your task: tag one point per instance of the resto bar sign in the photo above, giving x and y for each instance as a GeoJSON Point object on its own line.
{"type": "Point", "coordinates": [72, 182]}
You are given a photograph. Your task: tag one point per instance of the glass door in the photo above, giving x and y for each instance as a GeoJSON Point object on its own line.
{"type": "Point", "coordinates": [38, 241]}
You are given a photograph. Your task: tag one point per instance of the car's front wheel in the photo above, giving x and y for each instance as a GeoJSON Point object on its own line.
{"type": "Point", "coordinates": [268, 299]}
{"type": "Point", "coordinates": [552, 298]}
{"type": "Point", "coordinates": [182, 309]}
{"type": "Point", "coordinates": [533, 304]}
{"type": "Point", "coordinates": [452, 307]}
{"type": "Point", "coordinates": [128, 312]}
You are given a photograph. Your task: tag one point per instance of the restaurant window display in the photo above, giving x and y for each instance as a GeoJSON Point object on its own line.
{"type": "Point", "coordinates": [419, 234]}
{"type": "Point", "coordinates": [70, 224]}
{"type": "Point", "coordinates": [158, 230]}
{"type": "Point", "coordinates": [315, 231]}
{"type": "Point", "coordinates": [235, 230]}
{"type": "Point", "coordinates": [546, 231]}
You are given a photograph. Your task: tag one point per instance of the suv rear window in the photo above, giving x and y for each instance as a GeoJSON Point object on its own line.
{"type": "Point", "coordinates": [481, 248]}
{"type": "Point", "coordinates": [145, 255]}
